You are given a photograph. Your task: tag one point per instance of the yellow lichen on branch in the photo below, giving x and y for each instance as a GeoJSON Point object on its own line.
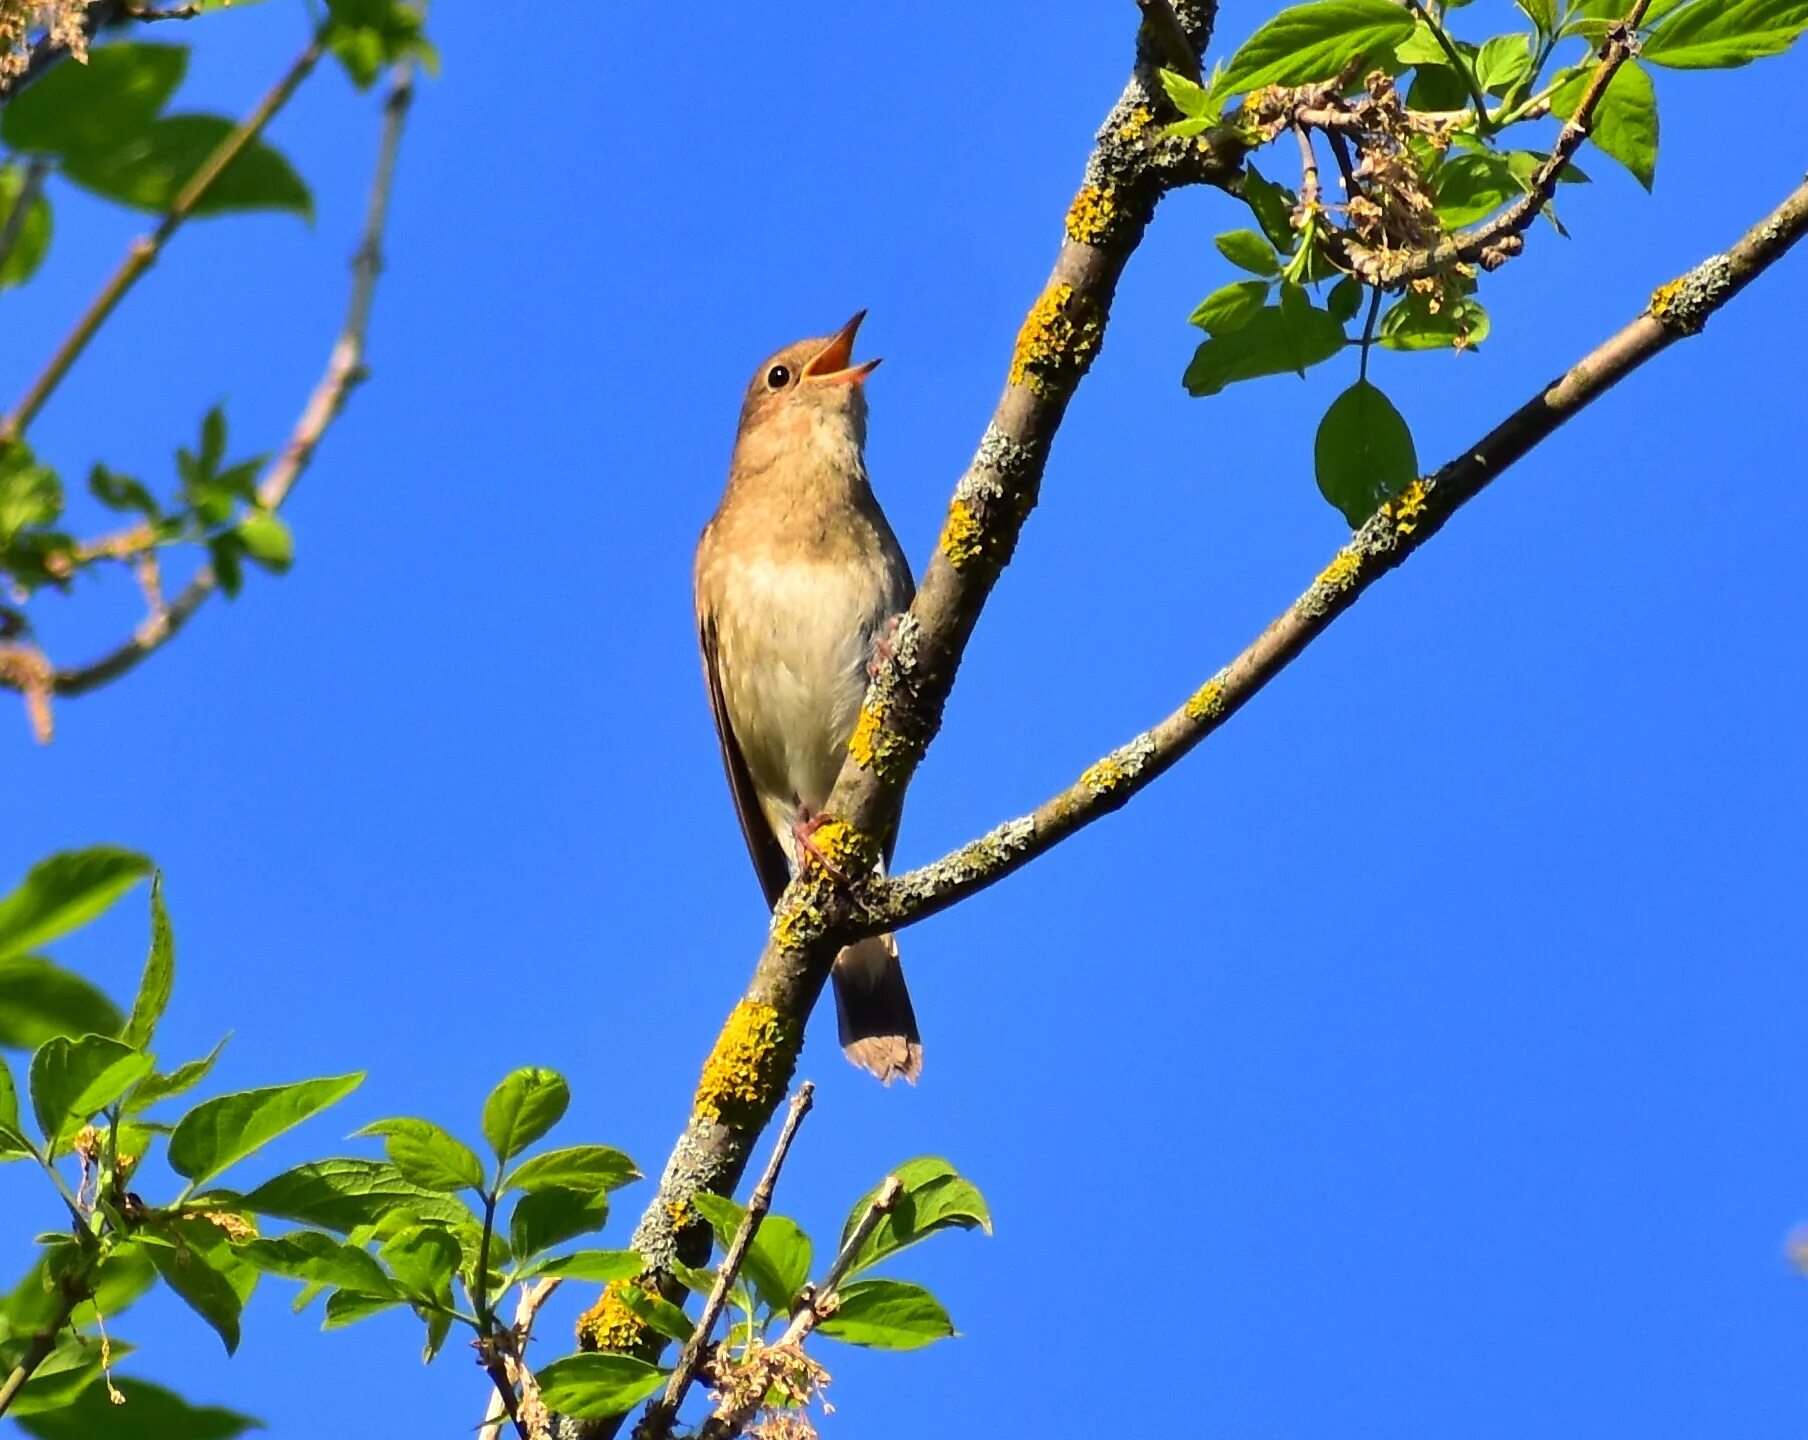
{"type": "Point", "coordinates": [1091, 216]}
{"type": "Point", "coordinates": [963, 537]}
{"type": "Point", "coordinates": [612, 1326]}
{"type": "Point", "coordinates": [747, 1072]}
{"type": "Point", "coordinates": [1207, 702]}
{"type": "Point", "coordinates": [874, 746]}
{"type": "Point", "coordinates": [1058, 340]}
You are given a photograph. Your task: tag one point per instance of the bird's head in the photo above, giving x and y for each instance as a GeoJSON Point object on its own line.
{"type": "Point", "coordinates": [809, 395]}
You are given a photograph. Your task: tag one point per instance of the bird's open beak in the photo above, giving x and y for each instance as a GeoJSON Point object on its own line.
{"type": "Point", "coordinates": [831, 366]}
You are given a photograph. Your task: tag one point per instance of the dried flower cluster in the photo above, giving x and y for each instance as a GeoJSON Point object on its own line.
{"type": "Point", "coordinates": [774, 1383]}
{"type": "Point", "coordinates": [60, 20]}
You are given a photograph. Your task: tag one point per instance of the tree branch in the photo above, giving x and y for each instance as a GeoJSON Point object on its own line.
{"type": "Point", "coordinates": [657, 1423]}
{"type": "Point", "coordinates": [1675, 312]}
{"type": "Point", "coordinates": [1172, 36]}
{"type": "Point", "coordinates": [344, 369]}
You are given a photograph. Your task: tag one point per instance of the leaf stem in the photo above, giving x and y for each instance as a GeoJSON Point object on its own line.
{"type": "Point", "coordinates": [1462, 66]}
{"type": "Point", "coordinates": [1368, 332]}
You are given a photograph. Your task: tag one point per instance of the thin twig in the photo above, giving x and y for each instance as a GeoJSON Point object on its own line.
{"type": "Point", "coordinates": [30, 188]}
{"type": "Point", "coordinates": [1182, 59]}
{"type": "Point", "coordinates": [1676, 311]}
{"type": "Point", "coordinates": [143, 252]}
{"type": "Point", "coordinates": [1461, 66]}
{"type": "Point", "coordinates": [344, 369]}
{"type": "Point", "coordinates": [527, 1310]}
{"type": "Point", "coordinates": [812, 1308]}
{"type": "Point", "coordinates": [175, 12]}
{"type": "Point", "coordinates": [657, 1422]}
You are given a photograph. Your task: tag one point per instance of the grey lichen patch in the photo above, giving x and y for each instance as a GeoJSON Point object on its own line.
{"type": "Point", "coordinates": [977, 861]}
{"type": "Point", "coordinates": [1682, 307]}
{"type": "Point", "coordinates": [1000, 460]}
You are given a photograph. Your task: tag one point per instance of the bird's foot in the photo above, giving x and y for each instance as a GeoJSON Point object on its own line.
{"type": "Point", "coordinates": [803, 831]}
{"type": "Point", "coordinates": [885, 647]}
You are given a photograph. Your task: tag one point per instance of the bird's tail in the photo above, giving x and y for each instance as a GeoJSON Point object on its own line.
{"type": "Point", "coordinates": [872, 1005]}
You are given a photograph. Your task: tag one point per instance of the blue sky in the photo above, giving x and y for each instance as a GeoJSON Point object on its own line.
{"type": "Point", "coordinates": [1423, 1056]}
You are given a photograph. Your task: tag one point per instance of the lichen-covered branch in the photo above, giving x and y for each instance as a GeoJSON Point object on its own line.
{"type": "Point", "coordinates": [1675, 311]}
{"type": "Point", "coordinates": [344, 369]}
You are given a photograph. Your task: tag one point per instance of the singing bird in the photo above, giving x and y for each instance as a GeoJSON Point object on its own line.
{"type": "Point", "coordinates": [798, 579]}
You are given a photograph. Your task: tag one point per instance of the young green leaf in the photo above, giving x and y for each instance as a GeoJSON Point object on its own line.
{"type": "Point", "coordinates": [68, 890]}
{"type": "Point", "coordinates": [1364, 452]}
{"type": "Point", "coordinates": [1721, 34]}
{"type": "Point", "coordinates": [1192, 99]}
{"type": "Point", "coordinates": [343, 1194]}
{"type": "Point", "coordinates": [935, 1197]}
{"type": "Point", "coordinates": [1542, 13]}
{"type": "Point", "coordinates": [366, 35]}
{"type": "Point", "coordinates": [154, 1089]}
{"type": "Point", "coordinates": [887, 1315]}
{"type": "Point", "coordinates": [1421, 47]}
{"type": "Point", "coordinates": [218, 1132]}
{"type": "Point", "coordinates": [13, 1142]}
{"type": "Point", "coordinates": [71, 1079]}
{"type": "Point", "coordinates": [1411, 324]}
{"type": "Point", "coordinates": [1273, 341]}
{"type": "Point", "coordinates": [40, 999]}
{"type": "Point", "coordinates": [1502, 63]}
{"type": "Point", "coordinates": [1345, 299]}
{"type": "Point", "coordinates": [1272, 205]}
{"type": "Point", "coordinates": [1225, 309]}
{"type": "Point", "coordinates": [582, 1167]}
{"type": "Point", "coordinates": [597, 1386]}
{"type": "Point", "coordinates": [1249, 251]}
{"type": "Point", "coordinates": [599, 1266]}
{"type": "Point", "coordinates": [424, 1259]}
{"type": "Point", "coordinates": [550, 1217]}
{"type": "Point", "coordinates": [522, 1108]}
{"type": "Point", "coordinates": [1314, 42]}
{"type": "Point", "coordinates": [267, 540]}
{"type": "Point", "coordinates": [31, 238]}
{"type": "Point", "coordinates": [347, 1307]}
{"type": "Point", "coordinates": [1625, 121]}
{"type": "Point", "coordinates": [1472, 187]}
{"type": "Point", "coordinates": [663, 1316]}
{"type": "Point", "coordinates": [778, 1260]}
{"type": "Point", "coordinates": [426, 1155]}
{"type": "Point", "coordinates": [149, 168]}
{"type": "Point", "coordinates": [74, 108]}
{"type": "Point", "coordinates": [198, 1265]}
{"type": "Point", "coordinates": [159, 974]}
{"type": "Point", "coordinates": [156, 1413]}
{"type": "Point", "coordinates": [310, 1255]}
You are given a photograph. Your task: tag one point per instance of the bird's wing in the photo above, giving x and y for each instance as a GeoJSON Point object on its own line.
{"type": "Point", "coordinates": [768, 855]}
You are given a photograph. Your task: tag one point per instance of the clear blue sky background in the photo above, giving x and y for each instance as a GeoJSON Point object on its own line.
{"type": "Point", "coordinates": [1424, 1056]}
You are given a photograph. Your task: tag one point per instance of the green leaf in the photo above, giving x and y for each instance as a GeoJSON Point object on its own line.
{"type": "Point", "coordinates": [1473, 186]}
{"type": "Point", "coordinates": [343, 1194]}
{"type": "Point", "coordinates": [197, 1264]}
{"type": "Point", "coordinates": [1411, 324]}
{"type": "Point", "coordinates": [150, 1412]}
{"type": "Point", "coordinates": [13, 1142]}
{"type": "Point", "coordinates": [39, 1000]}
{"type": "Point", "coordinates": [310, 1255]}
{"type": "Point", "coordinates": [366, 35]}
{"type": "Point", "coordinates": [656, 1311]}
{"type": "Point", "coordinates": [71, 1079]}
{"type": "Point", "coordinates": [523, 1108]}
{"type": "Point", "coordinates": [1314, 42]}
{"type": "Point", "coordinates": [32, 239]}
{"type": "Point", "coordinates": [1273, 206]}
{"type": "Point", "coordinates": [148, 169]}
{"type": "Point", "coordinates": [68, 890]}
{"type": "Point", "coordinates": [267, 540]}
{"type": "Point", "coordinates": [221, 1131]}
{"type": "Point", "coordinates": [778, 1260]}
{"type": "Point", "coordinates": [154, 1088]}
{"type": "Point", "coordinates": [1625, 121]}
{"type": "Point", "coordinates": [1273, 341]}
{"type": "Point", "coordinates": [935, 1197]}
{"type": "Point", "coordinates": [1720, 34]}
{"type": "Point", "coordinates": [1542, 13]}
{"type": "Point", "coordinates": [1192, 99]}
{"type": "Point", "coordinates": [1502, 63]}
{"type": "Point", "coordinates": [1249, 251]}
{"type": "Point", "coordinates": [1225, 309]}
{"type": "Point", "coordinates": [887, 1315]}
{"type": "Point", "coordinates": [600, 1266]}
{"type": "Point", "coordinates": [424, 1259]}
{"type": "Point", "coordinates": [159, 974]}
{"type": "Point", "coordinates": [1345, 299]}
{"type": "Point", "coordinates": [1437, 87]}
{"type": "Point", "coordinates": [122, 492]}
{"type": "Point", "coordinates": [1364, 452]}
{"type": "Point", "coordinates": [427, 1156]}
{"type": "Point", "coordinates": [76, 108]}
{"type": "Point", "coordinates": [344, 1307]}
{"type": "Point", "coordinates": [550, 1217]}
{"type": "Point", "coordinates": [1421, 47]}
{"type": "Point", "coordinates": [585, 1167]}
{"type": "Point", "coordinates": [596, 1386]}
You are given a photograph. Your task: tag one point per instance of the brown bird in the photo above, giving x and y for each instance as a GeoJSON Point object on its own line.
{"type": "Point", "coordinates": [798, 579]}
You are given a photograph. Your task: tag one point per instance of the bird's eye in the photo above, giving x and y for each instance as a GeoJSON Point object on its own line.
{"type": "Point", "coordinates": [777, 378]}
